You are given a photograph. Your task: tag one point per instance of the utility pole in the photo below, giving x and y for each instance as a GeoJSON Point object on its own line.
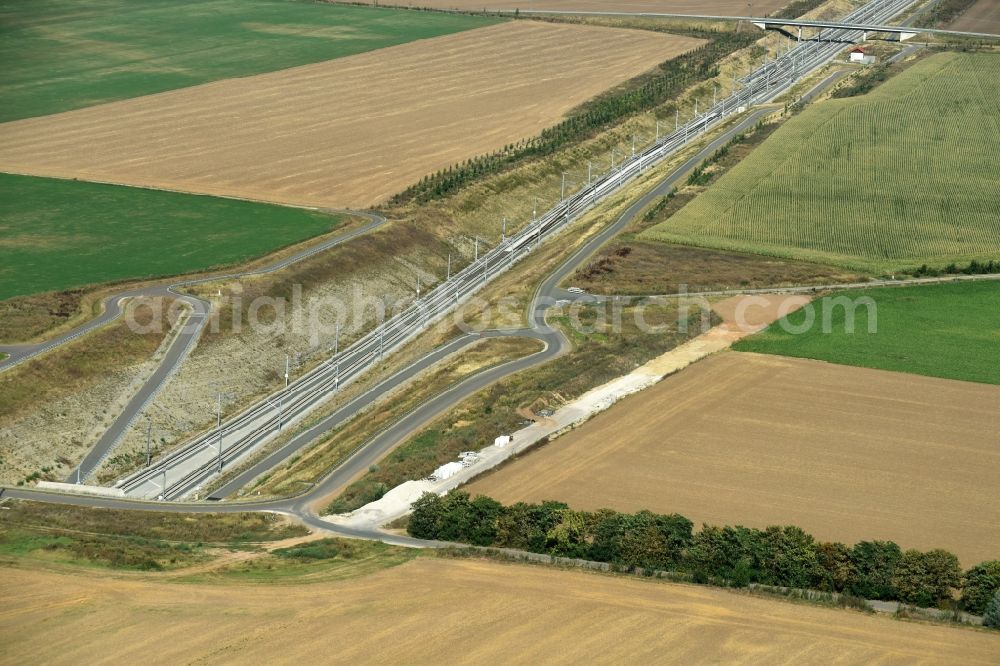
{"type": "Point", "coordinates": [477, 250]}
{"type": "Point", "coordinates": [612, 159]}
{"type": "Point", "coordinates": [677, 119]}
{"type": "Point", "coordinates": [381, 339]}
{"type": "Point", "coordinates": [449, 268]}
{"type": "Point", "coordinates": [696, 108]}
{"type": "Point", "coordinates": [164, 493]}
{"type": "Point", "coordinates": [149, 435]}
{"type": "Point", "coordinates": [503, 232]}
{"type": "Point", "coordinates": [657, 131]}
{"type": "Point", "coordinates": [281, 397]}
{"type": "Point", "coordinates": [78, 474]}
{"type": "Point", "coordinates": [218, 426]}
{"type": "Point", "coordinates": [534, 209]}
{"type": "Point", "coordinates": [336, 355]}
{"type": "Point", "coordinates": [486, 267]}
{"type": "Point", "coordinates": [562, 190]}
{"type": "Point", "coordinates": [715, 92]}
{"type": "Point", "coordinates": [590, 172]}
{"type": "Point", "coordinates": [633, 146]}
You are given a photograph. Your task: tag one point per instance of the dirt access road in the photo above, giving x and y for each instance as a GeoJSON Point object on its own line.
{"type": "Point", "coordinates": [446, 611]}
{"type": "Point", "coordinates": [845, 453]}
{"type": "Point", "coordinates": [344, 133]}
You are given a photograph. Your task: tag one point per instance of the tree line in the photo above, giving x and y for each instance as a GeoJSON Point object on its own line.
{"type": "Point", "coordinates": [730, 556]}
{"type": "Point", "coordinates": [669, 81]}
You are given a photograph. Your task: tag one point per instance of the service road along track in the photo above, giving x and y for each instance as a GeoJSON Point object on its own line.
{"type": "Point", "coordinates": [761, 86]}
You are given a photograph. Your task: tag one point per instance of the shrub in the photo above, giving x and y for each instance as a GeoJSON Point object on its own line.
{"type": "Point", "coordinates": [738, 556]}
{"type": "Point", "coordinates": [991, 617]}
{"type": "Point", "coordinates": [926, 579]}
{"type": "Point", "coordinates": [874, 564]}
{"type": "Point", "coordinates": [837, 569]}
{"type": "Point", "coordinates": [979, 585]}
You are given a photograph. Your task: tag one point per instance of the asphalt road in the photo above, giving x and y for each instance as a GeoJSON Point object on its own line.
{"type": "Point", "coordinates": [304, 505]}
{"type": "Point", "coordinates": [184, 339]}
{"type": "Point", "coordinates": [194, 464]}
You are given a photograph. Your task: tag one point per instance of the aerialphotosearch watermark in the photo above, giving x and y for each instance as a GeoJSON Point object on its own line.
{"type": "Point", "coordinates": [316, 320]}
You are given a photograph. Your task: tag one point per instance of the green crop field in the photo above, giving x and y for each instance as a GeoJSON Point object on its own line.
{"type": "Point", "coordinates": [59, 55]}
{"type": "Point", "coordinates": [945, 330]}
{"type": "Point", "coordinates": [56, 234]}
{"type": "Point", "coordinates": [905, 175]}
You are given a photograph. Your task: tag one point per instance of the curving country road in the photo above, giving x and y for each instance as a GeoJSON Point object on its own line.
{"type": "Point", "coordinates": [185, 336]}
{"type": "Point", "coordinates": [783, 73]}
{"type": "Point", "coordinates": [307, 505]}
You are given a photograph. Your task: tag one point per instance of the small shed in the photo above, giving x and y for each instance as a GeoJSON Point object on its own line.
{"type": "Point", "coordinates": [857, 54]}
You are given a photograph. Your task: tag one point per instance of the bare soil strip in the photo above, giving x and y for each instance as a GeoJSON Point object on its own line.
{"type": "Point", "coordinates": [448, 611]}
{"type": "Point", "coordinates": [348, 132]}
{"type": "Point", "coordinates": [845, 453]}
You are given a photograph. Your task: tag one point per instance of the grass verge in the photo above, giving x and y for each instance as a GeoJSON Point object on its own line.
{"type": "Point", "coordinates": [140, 540]}
{"type": "Point", "coordinates": [327, 453]}
{"type": "Point", "coordinates": [314, 561]}
{"type": "Point", "coordinates": [606, 345]}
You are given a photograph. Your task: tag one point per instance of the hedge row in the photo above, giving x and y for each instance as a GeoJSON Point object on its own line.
{"type": "Point", "coordinates": [735, 556]}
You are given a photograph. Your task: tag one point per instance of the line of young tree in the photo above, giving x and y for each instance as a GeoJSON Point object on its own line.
{"type": "Point", "coordinates": [974, 268]}
{"type": "Point", "coordinates": [670, 79]}
{"type": "Point", "coordinates": [729, 556]}
{"type": "Point", "coordinates": [797, 9]}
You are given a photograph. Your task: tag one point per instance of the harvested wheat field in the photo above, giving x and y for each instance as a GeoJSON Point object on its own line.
{"type": "Point", "coordinates": [984, 16]}
{"type": "Point", "coordinates": [447, 611]}
{"type": "Point", "coordinates": [348, 132]}
{"type": "Point", "coordinates": [697, 7]}
{"type": "Point", "coordinates": [845, 453]}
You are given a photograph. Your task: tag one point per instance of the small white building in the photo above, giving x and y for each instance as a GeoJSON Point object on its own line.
{"type": "Point", "coordinates": [502, 441]}
{"type": "Point", "coordinates": [446, 471]}
{"type": "Point", "coordinates": [857, 54]}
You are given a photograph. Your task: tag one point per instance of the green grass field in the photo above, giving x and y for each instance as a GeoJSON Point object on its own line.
{"type": "Point", "coordinates": [905, 175]}
{"type": "Point", "coordinates": [945, 330]}
{"type": "Point", "coordinates": [57, 234]}
{"type": "Point", "coordinates": [59, 55]}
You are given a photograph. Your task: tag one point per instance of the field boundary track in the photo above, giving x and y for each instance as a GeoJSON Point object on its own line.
{"type": "Point", "coordinates": [758, 88]}
{"type": "Point", "coordinates": [184, 339]}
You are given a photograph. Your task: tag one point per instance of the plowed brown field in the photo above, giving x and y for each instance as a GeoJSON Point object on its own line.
{"type": "Point", "coordinates": [347, 132]}
{"type": "Point", "coordinates": [700, 7]}
{"type": "Point", "coordinates": [984, 16]}
{"type": "Point", "coordinates": [845, 453]}
{"type": "Point", "coordinates": [447, 611]}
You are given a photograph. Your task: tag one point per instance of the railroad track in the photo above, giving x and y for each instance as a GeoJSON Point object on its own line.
{"type": "Point", "coordinates": [188, 468]}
